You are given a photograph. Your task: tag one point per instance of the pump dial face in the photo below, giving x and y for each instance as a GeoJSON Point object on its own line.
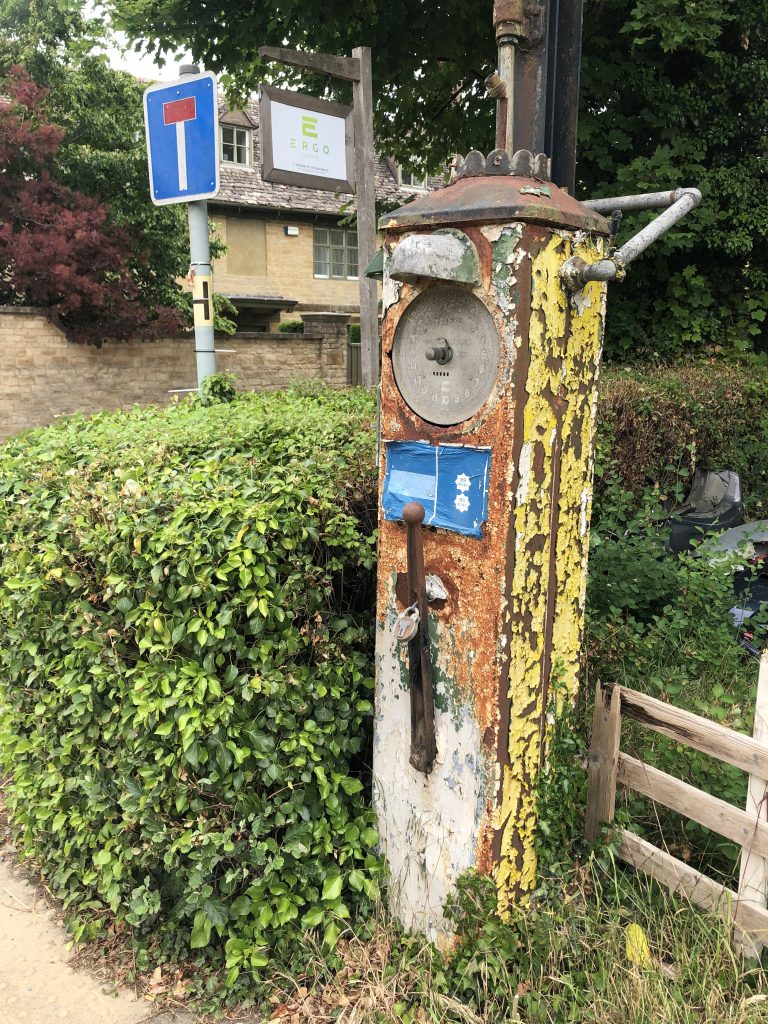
{"type": "Point", "coordinates": [445, 355]}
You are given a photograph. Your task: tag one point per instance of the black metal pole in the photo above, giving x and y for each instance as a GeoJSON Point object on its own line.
{"type": "Point", "coordinates": [564, 59]}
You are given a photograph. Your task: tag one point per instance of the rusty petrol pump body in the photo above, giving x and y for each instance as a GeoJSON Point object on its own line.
{"type": "Point", "coordinates": [487, 416]}
{"type": "Point", "coordinates": [494, 307]}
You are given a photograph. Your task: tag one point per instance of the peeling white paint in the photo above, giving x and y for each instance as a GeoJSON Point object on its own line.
{"type": "Point", "coordinates": [390, 291]}
{"type": "Point", "coordinates": [584, 513]}
{"type": "Point", "coordinates": [441, 256]}
{"type": "Point", "coordinates": [493, 232]}
{"type": "Point", "coordinates": [582, 301]}
{"type": "Point", "coordinates": [526, 459]}
{"type": "Point", "coordinates": [429, 825]}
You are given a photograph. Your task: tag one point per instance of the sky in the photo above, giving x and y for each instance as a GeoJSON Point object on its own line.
{"type": "Point", "coordinates": [142, 65]}
{"type": "Point", "coordinates": [138, 64]}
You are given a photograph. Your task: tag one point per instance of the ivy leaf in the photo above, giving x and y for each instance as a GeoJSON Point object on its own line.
{"type": "Point", "coordinates": [201, 931]}
{"type": "Point", "coordinates": [216, 912]}
{"type": "Point", "coordinates": [313, 917]}
{"type": "Point", "coordinates": [332, 888]}
{"type": "Point", "coordinates": [240, 907]}
{"type": "Point", "coordinates": [331, 936]}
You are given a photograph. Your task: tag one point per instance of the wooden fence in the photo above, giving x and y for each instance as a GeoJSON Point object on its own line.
{"type": "Point", "coordinates": [608, 766]}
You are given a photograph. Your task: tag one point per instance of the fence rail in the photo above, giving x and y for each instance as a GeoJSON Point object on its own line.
{"type": "Point", "coordinates": [609, 767]}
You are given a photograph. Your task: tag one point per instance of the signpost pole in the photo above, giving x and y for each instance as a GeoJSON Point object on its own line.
{"type": "Point", "coordinates": [182, 126]}
{"type": "Point", "coordinates": [202, 276]}
{"type": "Point", "coordinates": [366, 216]}
{"type": "Point", "coordinates": [202, 291]}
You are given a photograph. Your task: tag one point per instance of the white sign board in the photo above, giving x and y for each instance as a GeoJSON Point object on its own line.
{"type": "Point", "coordinates": [306, 142]}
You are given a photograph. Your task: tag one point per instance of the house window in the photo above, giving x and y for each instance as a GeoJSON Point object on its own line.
{"type": "Point", "coordinates": [411, 179]}
{"type": "Point", "coordinates": [235, 145]}
{"type": "Point", "coordinates": [336, 253]}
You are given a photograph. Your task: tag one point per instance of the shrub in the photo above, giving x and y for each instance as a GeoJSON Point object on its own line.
{"type": "Point", "coordinates": [353, 334]}
{"type": "Point", "coordinates": [654, 421]}
{"type": "Point", "coordinates": [291, 327]}
{"type": "Point", "coordinates": [219, 387]}
{"type": "Point", "coordinates": [185, 670]}
{"type": "Point", "coordinates": [662, 625]}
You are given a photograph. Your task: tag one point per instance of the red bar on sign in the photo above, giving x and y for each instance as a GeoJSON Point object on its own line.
{"type": "Point", "coordinates": [179, 110]}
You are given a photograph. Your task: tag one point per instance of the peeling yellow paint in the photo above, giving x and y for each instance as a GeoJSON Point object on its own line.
{"type": "Point", "coordinates": [550, 536]}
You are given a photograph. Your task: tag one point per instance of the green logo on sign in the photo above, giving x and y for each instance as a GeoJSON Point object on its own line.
{"type": "Point", "coordinates": [309, 126]}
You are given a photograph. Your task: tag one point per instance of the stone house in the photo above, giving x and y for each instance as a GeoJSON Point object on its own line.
{"type": "Point", "coordinates": [289, 251]}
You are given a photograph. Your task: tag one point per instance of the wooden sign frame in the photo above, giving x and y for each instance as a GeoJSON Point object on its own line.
{"type": "Point", "coordinates": [269, 172]}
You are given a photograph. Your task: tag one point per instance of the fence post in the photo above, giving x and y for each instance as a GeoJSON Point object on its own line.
{"type": "Point", "coordinates": [603, 760]}
{"type": "Point", "coordinates": [753, 877]}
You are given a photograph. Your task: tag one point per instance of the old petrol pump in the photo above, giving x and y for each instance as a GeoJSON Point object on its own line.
{"type": "Point", "coordinates": [494, 303]}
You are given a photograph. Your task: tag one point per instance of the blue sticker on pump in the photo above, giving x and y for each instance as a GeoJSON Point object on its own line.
{"type": "Point", "coordinates": [450, 481]}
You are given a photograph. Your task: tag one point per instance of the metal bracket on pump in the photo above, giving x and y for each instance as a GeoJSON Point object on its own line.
{"type": "Point", "coordinates": [576, 272]}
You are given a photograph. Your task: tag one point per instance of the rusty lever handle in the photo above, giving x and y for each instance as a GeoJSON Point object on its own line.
{"type": "Point", "coordinates": [423, 742]}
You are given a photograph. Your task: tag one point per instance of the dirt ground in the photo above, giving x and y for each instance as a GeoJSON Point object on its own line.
{"type": "Point", "coordinates": [37, 981]}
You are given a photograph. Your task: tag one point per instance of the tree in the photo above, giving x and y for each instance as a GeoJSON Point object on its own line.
{"type": "Point", "coordinates": [102, 153]}
{"type": "Point", "coordinates": [696, 113]}
{"type": "Point", "coordinates": [57, 248]}
{"type": "Point", "coordinates": [674, 92]}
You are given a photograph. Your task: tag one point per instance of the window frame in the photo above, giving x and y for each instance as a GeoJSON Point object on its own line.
{"type": "Point", "coordinates": [345, 246]}
{"type": "Point", "coordinates": [409, 186]}
{"type": "Point", "coordinates": [247, 145]}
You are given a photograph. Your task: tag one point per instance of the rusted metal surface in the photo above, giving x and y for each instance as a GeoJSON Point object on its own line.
{"type": "Point", "coordinates": [513, 613]}
{"type": "Point", "coordinates": [423, 746]}
{"type": "Point", "coordinates": [509, 19]}
{"type": "Point", "coordinates": [498, 200]}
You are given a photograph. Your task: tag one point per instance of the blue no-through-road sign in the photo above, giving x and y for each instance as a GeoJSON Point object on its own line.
{"type": "Point", "coordinates": [182, 123]}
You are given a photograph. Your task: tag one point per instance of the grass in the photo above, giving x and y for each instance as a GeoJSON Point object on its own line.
{"type": "Point", "coordinates": [559, 962]}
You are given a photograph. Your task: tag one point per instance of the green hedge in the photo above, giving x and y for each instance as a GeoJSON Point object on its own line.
{"type": "Point", "coordinates": [291, 327]}
{"type": "Point", "coordinates": [655, 421]}
{"type": "Point", "coordinates": [185, 676]}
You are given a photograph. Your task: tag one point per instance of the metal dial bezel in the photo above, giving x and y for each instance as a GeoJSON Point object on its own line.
{"type": "Point", "coordinates": [436, 331]}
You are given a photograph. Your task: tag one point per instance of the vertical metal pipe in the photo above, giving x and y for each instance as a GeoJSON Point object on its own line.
{"type": "Point", "coordinates": [563, 89]}
{"type": "Point", "coordinates": [202, 304]}
{"type": "Point", "coordinates": [530, 91]}
{"type": "Point", "coordinates": [505, 114]}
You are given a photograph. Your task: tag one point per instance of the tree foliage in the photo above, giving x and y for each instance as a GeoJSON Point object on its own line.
{"type": "Point", "coordinates": [677, 94]}
{"type": "Point", "coordinates": [57, 248]}
{"type": "Point", "coordinates": [674, 92]}
{"type": "Point", "coordinates": [102, 152]}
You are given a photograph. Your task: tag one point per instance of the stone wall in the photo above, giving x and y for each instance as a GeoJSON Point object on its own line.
{"type": "Point", "coordinates": [42, 375]}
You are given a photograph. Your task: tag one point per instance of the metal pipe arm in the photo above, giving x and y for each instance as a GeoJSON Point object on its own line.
{"type": "Point", "coordinates": [576, 273]}
{"type": "Point", "coordinates": [644, 201]}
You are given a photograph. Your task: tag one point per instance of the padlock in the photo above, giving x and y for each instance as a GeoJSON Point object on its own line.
{"type": "Point", "coordinates": [407, 624]}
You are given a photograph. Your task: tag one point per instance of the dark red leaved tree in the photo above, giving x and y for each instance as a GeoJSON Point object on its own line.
{"type": "Point", "coordinates": [57, 246]}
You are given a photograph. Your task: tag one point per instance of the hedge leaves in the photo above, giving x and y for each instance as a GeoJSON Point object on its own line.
{"type": "Point", "coordinates": [185, 669]}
